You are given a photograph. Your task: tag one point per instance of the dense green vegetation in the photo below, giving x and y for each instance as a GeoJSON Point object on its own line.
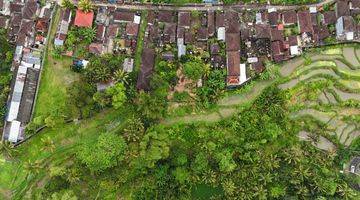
{"type": "Point", "coordinates": [119, 146]}
{"type": "Point", "coordinates": [6, 55]}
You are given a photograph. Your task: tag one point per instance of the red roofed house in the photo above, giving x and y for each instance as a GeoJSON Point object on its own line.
{"type": "Point", "coordinates": [83, 19]}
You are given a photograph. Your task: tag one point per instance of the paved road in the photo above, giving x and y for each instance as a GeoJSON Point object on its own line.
{"type": "Point", "coordinates": [207, 7]}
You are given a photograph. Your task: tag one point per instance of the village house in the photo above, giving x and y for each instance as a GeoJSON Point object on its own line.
{"type": "Point", "coordinates": [63, 27]}
{"type": "Point", "coordinates": [289, 17]}
{"type": "Point", "coordinates": [83, 19]}
{"type": "Point", "coordinates": [345, 28]}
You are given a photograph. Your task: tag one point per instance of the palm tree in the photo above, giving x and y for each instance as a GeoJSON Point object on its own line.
{"type": "Point", "coordinates": [7, 149]}
{"type": "Point", "coordinates": [68, 4]}
{"type": "Point", "coordinates": [86, 6]}
{"type": "Point", "coordinates": [88, 34]}
{"type": "Point", "coordinates": [32, 167]}
{"type": "Point", "coordinates": [121, 76]}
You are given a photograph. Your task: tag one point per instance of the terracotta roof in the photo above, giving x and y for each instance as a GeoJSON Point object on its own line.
{"type": "Point", "coordinates": [304, 19]}
{"type": "Point", "coordinates": [83, 19]}
{"type": "Point", "coordinates": [132, 29]}
{"type": "Point", "coordinates": [123, 16]}
{"type": "Point", "coordinates": [15, 20]}
{"type": "Point", "coordinates": [233, 63]}
{"type": "Point", "coordinates": [146, 70]}
{"type": "Point", "coordinates": [232, 41]}
{"type": "Point", "coordinates": [184, 19]}
{"type": "Point", "coordinates": [329, 17]}
{"type": "Point", "coordinates": [100, 30]}
{"type": "Point", "coordinates": [289, 17]}
{"type": "Point", "coordinates": [342, 8]}
{"type": "Point", "coordinates": [41, 25]}
{"type": "Point", "coordinates": [96, 48]}
{"type": "Point", "coordinates": [262, 31]}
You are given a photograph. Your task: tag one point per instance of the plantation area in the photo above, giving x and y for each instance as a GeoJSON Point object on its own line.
{"type": "Point", "coordinates": [286, 134]}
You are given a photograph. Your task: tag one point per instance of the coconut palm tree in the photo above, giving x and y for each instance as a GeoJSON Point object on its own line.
{"type": "Point", "coordinates": [88, 34]}
{"type": "Point", "coordinates": [68, 4]}
{"type": "Point", "coordinates": [7, 149]}
{"type": "Point", "coordinates": [86, 6]}
{"type": "Point", "coordinates": [121, 76]}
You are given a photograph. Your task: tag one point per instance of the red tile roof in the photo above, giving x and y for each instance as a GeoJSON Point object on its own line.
{"type": "Point", "coordinates": [83, 19]}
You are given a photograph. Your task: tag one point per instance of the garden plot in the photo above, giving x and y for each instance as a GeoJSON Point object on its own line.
{"type": "Point", "coordinates": [321, 143]}
{"type": "Point", "coordinates": [350, 56]}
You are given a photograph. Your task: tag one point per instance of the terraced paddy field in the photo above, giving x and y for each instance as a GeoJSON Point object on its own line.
{"type": "Point", "coordinates": [324, 90]}
{"type": "Point", "coordinates": [325, 96]}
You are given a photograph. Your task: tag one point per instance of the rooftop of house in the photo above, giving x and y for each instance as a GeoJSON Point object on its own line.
{"type": "Point", "coordinates": [277, 34]}
{"type": "Point", "coordinates": [233, 63]}
{"type": "Point", "coordinates": [123, 16]}
{"type": "Point", "coordinates": [262, 31]}
{"type": "Point", "coordinates": [184, 19]}
{"type": "Point", "coordinates": [132, 29]}
{"type": "Point", "coordinates": [166, 16]}
{"type": "Point", "coordinates": [305, 23]}
{"type": "Point", "coordinates": [329, 17]}
{"type": "Point", "coordinates": [232, 41]}
{"type": "Point", "coordinates": [289, 17]}
{"type": "Point", "coordinates": [342, 8]}
{"type": "Point", "coordinates": [16, 7]}
{"type": "Point", "coordinates": [30, 9]}
{"type": "Point", "coordinates": [220, 19]}
{"type": "Point", "coordinates": [274, 18]}
{"type": "Point", "coordinates": [96, 48]}
{"type": "Point", "coordinates": [83, 19]}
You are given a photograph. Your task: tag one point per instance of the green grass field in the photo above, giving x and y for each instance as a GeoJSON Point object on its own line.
{"type": "Point", "coordinates": [56, 76]}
